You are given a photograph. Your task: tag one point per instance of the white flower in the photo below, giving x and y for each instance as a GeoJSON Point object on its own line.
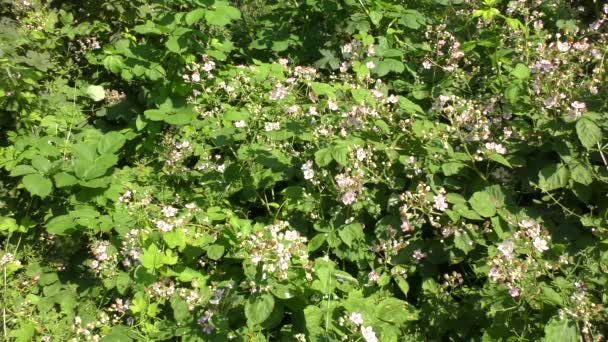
{"type": "Point", "coordinates": [550, 102]}
{"type": "Point", "coordinates": [368, 334]}
{"type": "Point", "coordinates": [370, 65]}
{"type": "Point", "coordinates": [272, 126]}
{"type": "Point", "coordinates": [283, 61]}
{"type": "Point", "coordinates": [196, 77]}
{"type": "Point", "coordinates": [278, 93]}
{"type": "Point", "coordinates": [164, 226]}
{"type": "Point", "coordinates": [427, 64]}
{"type": "Point", "coordinates": [344, 67]}
{"type": "Point", "coordinates": [347, 48]}
{"type": "Point", "coordinates": [349, 198]}
{"type": "Point", "coordinates": [240, 124]}
{"type": "Point", "coordinates": [540, 244]}
{"type": "Point", "coordinates": [506, 248]}
{"type": "Point", "coordinates": [291, 235]}
{"type": "Point", "coordinates": [208, 66]}
{"type": "Point", "coordinates": [361, 154]}
{"type": "Point", "coordinates": [356, 318]}
{"type": "Point", "coordinates": [578, 105]}
{"type": "Point", "coordinates": [309, 173]}
{"type": "Point", "coordinates": [418, 255]}
{"type": "Point", "coordinates": [169, 211]}
{"type": "Point", "coordinates": [440, 202]}
{"type": "Point", "coordinates": [494, 274]}
{"type": "Point", "coordinates": [373, 276]}
{"type": "Point", "coordinates": [514, 292]}
{"type": "Point", "coordinates": [563, 46]}
{"type": "Point", "coordinates": [392, 99]}
{"type": "Point", "coordinates": [331, 105]}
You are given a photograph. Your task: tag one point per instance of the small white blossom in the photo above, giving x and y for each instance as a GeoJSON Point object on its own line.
{"type": "Point", "coordinates": [440, 202]}
{"type": "Point", "coordinates": [368, 334]}
{"type": "Point", "coordinates": [540, 244]}
{"type": "Point", "coordinates": [356, 318]}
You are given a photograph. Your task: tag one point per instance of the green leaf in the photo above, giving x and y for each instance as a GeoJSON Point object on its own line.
{"type": "Point", "coordinates": [588, 132]}
{"type": "Point", "coordinates": [153, 258]}
{"type": "Point", "coordinates": [395, 311]}
{"type": "Point", "coordinates": [483, 204]}
{"type": "Point", "coordinates": [215, 252]}
{"type": "Point", "coordinates": [21, 170]}
{"type": "Point", "coordinates": [561, 329]}
{"type": "Point", "coordinates": [195, 16]}
{"type": "Point", "coordinates": [521, 72]}
{"type": "Point", "coordinates": [350, 233]}
{"type": "Point", "coordinates": [87, 169]}
{"type": "Point", "coordinates": [180, 309]}
{"type": "Point", "coordinates": [41, 164]}
{"type": "Point", "coordinates": [38, 185]}
{"type": "Point", "coordinates": [340, 154]}
{"type": "Point", "coordinates": [58, 225]}
{"type": "Point", "coordinates": [316, 242]}
{"type": "Point", "coordinates": [323, 157]}
{"type": "Point", "coordinates": [258, 308]}
{"type": "Point", "coordinates": [387, 65]}
{"type": "Point", "coordinates": [553, 177]}
{"type": "Point", "coordinates": [96, 93]}
{"type": "Point", "coordinates": [463, 242]}
{"type": "Point", "coordinates": [222, 15]}
{"type": "Point", "coordinates": [581, 173]}
{"type": "Point", "coordinates": [323, 89]}
{"type": "Point", "coordinates": [452, 168]}
{"type": "Point", "coordinates": [409, 106]}
{"type": "Point", "coordinates": [110, 143]}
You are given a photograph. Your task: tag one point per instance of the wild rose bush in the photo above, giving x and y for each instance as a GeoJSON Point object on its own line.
{"type": "Point", "coordinates": [358, 170]}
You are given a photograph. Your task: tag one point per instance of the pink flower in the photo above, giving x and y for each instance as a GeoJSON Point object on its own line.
{"type": "Point", "coordinates": [494, 274]}
{"type": "Point", "coordinates": [373, 276]}
{"type": "Point", "coordinates": [392, 99]}
{"type": "Point", "coordinates": [332, 105]}
{"type": "Point", "coordinates": [370, 65]}
{"type": "Point", "coordinates": [440, 202]}
{"type": "Point", "coordinates": [540, 244]}
{"type": "Point", "coordinates": [349, 198]}
{"type": "Point", "coordinates": [356, 318]}
{"type": "Point", "coordinates": [368, 334]}
{"type": "Point", "coordinates": [578, 105]}
{"type": "Point", "coordinates": [514, 292]}
{"type": "Point", "coordinates": [418, 255]}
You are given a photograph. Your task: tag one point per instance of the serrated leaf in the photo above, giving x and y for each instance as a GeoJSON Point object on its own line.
{"type": "Point", "coordinates": [387, 65]}
{"type": "Point", "coordinates": [588, 132]}
{"type": "Point", "coordinates": [521, 72]}
{"type": "Point", "coordinates": [323, 157]}
{"type": "Point", "coordinates": [110, 143]}
{"type": "Point", "coordinates": [222, 15]}
{"type": "Point", "coordinates": [37, 184]}
{"type": "Point", "coordinates": [561, 329]}
{"type": "Point", "coordinates": [553, 177]}
{"type": "Point", "coordinates": [483, 204]}
{"type": "Point", "coordinates": [195, 16]}
{"type": "Point", "coordinates": [409, 106]}
{"type": "Point", "coordinates": [258, 308]}
{"type": "Point", "coordinates": [395, 311]}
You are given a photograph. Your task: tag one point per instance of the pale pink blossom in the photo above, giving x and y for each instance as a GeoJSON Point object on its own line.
{"type": "Point", "coordinates": [356, 318]}
{"type": "Point", "coordinates": [368, 334]}
{"type": "Point", "coordinates": [440, 202]}
{"type": "Point", "coordinates": [540, 244]}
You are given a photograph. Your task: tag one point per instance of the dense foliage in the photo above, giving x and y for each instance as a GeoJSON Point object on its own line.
{"type": "Point", "coordinates": [303, 170]}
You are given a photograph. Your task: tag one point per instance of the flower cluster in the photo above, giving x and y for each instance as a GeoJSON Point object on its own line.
{"type": "Point", "coordinates": [276, 248]}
